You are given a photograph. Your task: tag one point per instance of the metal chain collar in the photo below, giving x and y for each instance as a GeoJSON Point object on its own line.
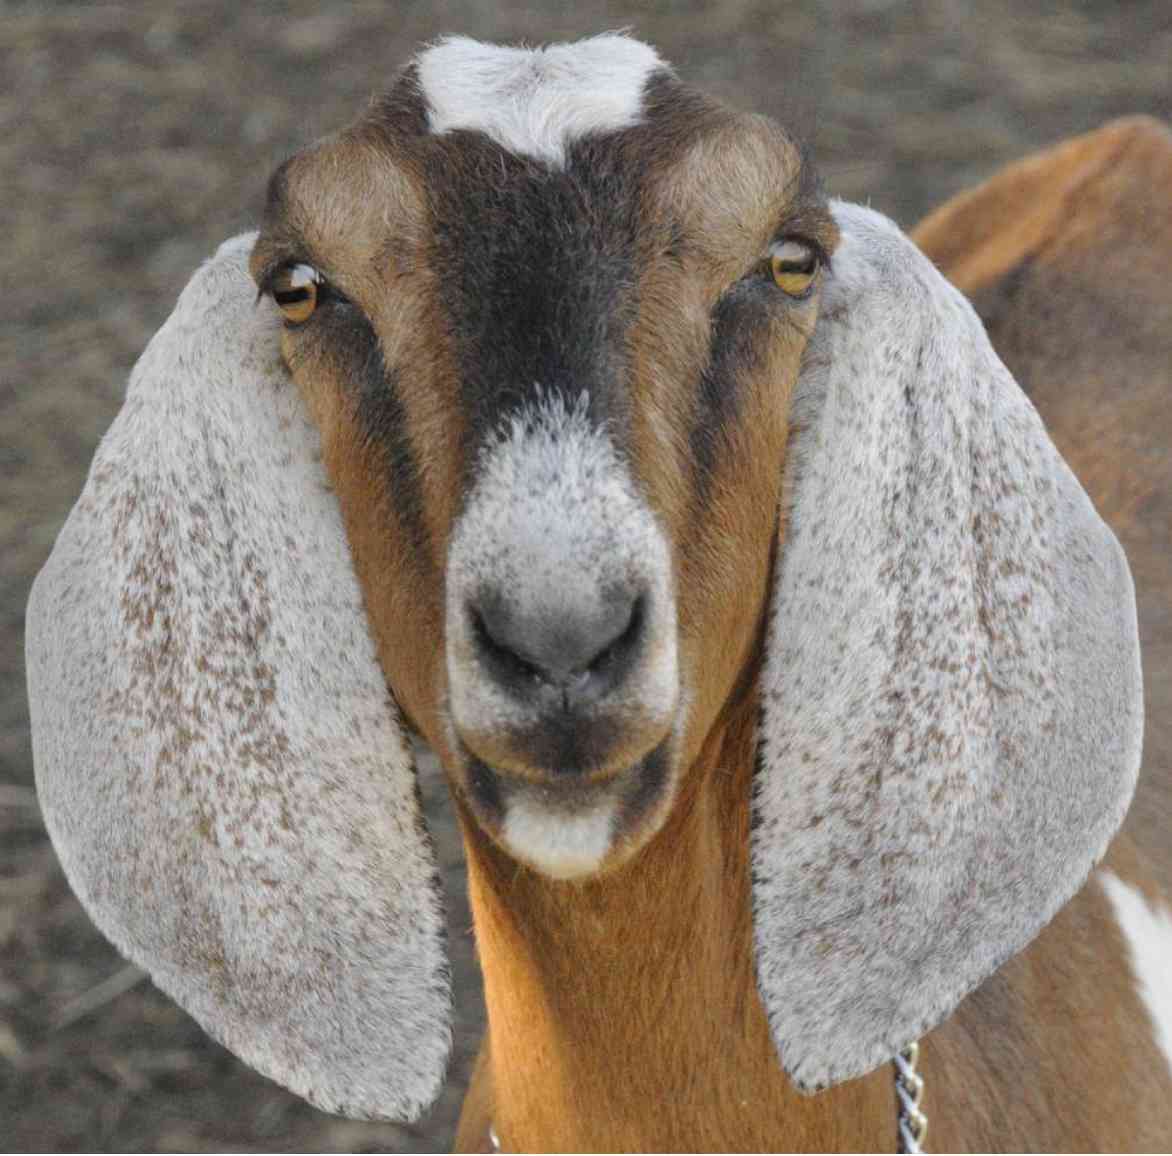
{"type": "Point", "coordinates": [909, 1089]}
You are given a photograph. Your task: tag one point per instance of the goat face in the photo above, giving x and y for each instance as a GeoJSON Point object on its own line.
{"type": "Point", "coordinates": [553, 393]}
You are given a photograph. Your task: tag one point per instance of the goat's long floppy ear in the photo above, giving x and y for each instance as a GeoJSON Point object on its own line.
{"type": "Point", "coordinates": [951, 699]}
{"type": "Point", "coordinates": [219, 762]}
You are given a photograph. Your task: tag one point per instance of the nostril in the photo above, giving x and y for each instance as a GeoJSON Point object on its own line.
{"type": "Point", "coordinates": [625, 643]}
{"type": "Point", "coordinates": [502, 654]}
{"type": "Point", "coordinates": [582, 652]}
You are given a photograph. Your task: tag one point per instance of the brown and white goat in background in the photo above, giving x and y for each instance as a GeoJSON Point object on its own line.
{"type": "Point", "coordinates": [785, 677]}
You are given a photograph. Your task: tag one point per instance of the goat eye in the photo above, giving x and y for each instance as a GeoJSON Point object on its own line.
{"type": "Point", "coordinates": [297, 290]}
{"type": "Point", "coordinates": [794, 265]}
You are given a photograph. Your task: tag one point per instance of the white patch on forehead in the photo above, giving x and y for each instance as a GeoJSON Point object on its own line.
{"type": "Point", "coordinates": [1148, 931]}
{"type": "Point", "coordinates": [535, 101]}
{"type": "Point", "coordinates": [560, 845]}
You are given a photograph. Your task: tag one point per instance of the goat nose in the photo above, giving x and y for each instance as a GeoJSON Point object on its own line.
{"type": "Point", "coordinates": [582, 652]}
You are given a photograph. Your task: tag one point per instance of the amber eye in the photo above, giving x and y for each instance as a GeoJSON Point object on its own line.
{"type": "Point", "coordinates": [296, 290]}
{"type": "Point", "coordinates": [794, 265]}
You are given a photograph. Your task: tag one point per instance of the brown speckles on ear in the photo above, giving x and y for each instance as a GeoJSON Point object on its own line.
{"type": "Point", "coordinates": [972, 749]}
{"type": "Point", "coordinates": [210, 726]}
{"type": "Point", "coordinates": [1083, 317]}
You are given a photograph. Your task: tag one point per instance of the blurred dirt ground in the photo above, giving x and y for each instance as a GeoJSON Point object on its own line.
{"type": "Point", "coordinates": [133, 138]}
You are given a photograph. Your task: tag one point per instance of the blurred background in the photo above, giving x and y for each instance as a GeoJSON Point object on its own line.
{"type": "Point", "coordinates": [133, 139]}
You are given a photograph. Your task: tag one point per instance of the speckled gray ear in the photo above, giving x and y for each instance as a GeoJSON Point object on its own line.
{"type": "Point", "coordinates": [220, 765]}
{"type": "Point", "coordinates": [951, 698]}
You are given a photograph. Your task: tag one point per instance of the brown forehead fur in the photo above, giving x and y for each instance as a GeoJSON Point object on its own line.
{"type": "Point", "coordinates": [350, 206]}
{"type": "Point", "coordinates": [730, 188]}
{"type": "Point", "coordinates": [729, 178]}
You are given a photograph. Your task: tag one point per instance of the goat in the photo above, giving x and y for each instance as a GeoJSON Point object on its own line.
{"type": "Point", "coordinates": [785, 677]}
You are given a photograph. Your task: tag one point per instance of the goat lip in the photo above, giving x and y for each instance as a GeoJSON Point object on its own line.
{"type": "Point", "coordinates": [571, 826]}
{"type": "Point", "coordinates": [569, 763]}
{"type": "Point", "coordinates": [565, 748]}
{"type": "Point", "coordinates": [570, 780]}
{"type": "Point", "coordinates": [561, 780]}
{"type": "Point", "coordinates": [565, 787]}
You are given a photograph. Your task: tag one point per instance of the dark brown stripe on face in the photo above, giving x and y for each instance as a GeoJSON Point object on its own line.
{"type": "Point", "coordinates": [737, 323]}
{"type": "Point", "coordinates": [537, 265]}
{"type": "Point", "coordinates": [402, 111]}
{"type": "Point", "coordinates": [675, 116]}
{"type": "Point", "coordinates": [383, 421]}
{"type": "Point", "coordinates": [536, 275]}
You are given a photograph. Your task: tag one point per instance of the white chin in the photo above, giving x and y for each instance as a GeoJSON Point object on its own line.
{"type": "Point", "coordinates": [556, 844]}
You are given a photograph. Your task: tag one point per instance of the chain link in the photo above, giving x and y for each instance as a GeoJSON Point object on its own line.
{"type": "Point", "coordinates": [909, 1089]}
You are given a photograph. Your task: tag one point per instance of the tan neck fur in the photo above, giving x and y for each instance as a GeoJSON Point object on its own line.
{"type": "Point", "coordinates": [623, 1012]}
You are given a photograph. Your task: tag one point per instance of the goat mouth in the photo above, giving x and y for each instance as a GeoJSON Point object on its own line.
{"type": "Point", "coordinates": [571, 826]}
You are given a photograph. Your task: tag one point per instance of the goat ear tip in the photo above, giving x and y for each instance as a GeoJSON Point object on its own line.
{"type": "Point", "coordinates": [810, 1087]}
{"type": "Point", "coordinates": [241, 243]}
{"type": "Point", "coordinates": [812, 1074]}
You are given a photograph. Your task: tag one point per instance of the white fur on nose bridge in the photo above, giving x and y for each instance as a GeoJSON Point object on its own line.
{"type": "Point", "coordinates": [535, 101]}
{"type": "Point", "coordinates": [554, 519]}
{"type": "Point", "coordinates": [552, 487]}
{"type": "Point", "coordinates": [554, 526]}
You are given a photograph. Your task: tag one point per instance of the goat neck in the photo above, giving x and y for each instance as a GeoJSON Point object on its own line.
{"type": "Point", "coordinates": [623, 1011]}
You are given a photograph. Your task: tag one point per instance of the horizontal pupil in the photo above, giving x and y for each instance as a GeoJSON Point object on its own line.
{"type": "Point", "coordinates": [291, 296]}
{"type": "Point", "coordinates": [803, 266]}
